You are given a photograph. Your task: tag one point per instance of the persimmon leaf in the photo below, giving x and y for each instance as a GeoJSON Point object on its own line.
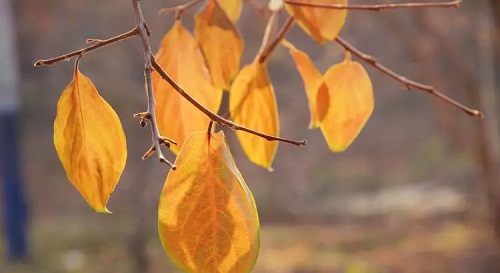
{"type": "Point", "coordinates": [180, 56]}
{"type": "Point", "coordinates": [351, 103]}
{"type": "Point", "coordinates": [232, 8]}
{"type": "Point", "coordinates": [207, 216]}
{"type": "Point", "coordinates": [313, 82]}
{"type": "Point", "coordinates": [321, 24]}
{"type": "Point", "coordinates": [220, 42]}
{"type": "Point", "coordinates": [89, 141]}
{"type": "Point", "coordinates": [252, 103]}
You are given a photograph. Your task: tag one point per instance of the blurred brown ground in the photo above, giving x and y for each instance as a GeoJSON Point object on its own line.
{"type": "Point", "coordinates": [407, 196]}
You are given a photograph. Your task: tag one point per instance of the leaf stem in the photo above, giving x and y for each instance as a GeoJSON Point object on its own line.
{"type": "Point", "coordinates": [377, 7]}
{"type": "Point", "coordinates": [266, 53]}
{"type": "Point", "coordinates": [96, 45]}
{"type": "Point", "coordinates": [409, 84]}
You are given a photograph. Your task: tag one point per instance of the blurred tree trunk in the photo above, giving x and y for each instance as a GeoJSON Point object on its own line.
{"type": "Point", "coordinates": [495, 8]}
{"type": "Point", "coordinates": [490, 85]}
{"type": "Point", "coordinates": [485, 96]}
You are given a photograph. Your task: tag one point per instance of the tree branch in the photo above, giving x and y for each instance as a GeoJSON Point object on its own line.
{"type": "Point", "coordinates": [377, 7]}
{"type": "Point", "coordinates": [179, 10]}
{"type": "Point", "coordinates": [96, 45]}
{"type": "Point", "coordinates": [409, 84]}
{"type": "Point", "coordinates": [150, 115]}
{"type": "Point", "coordinates": [213, 116]}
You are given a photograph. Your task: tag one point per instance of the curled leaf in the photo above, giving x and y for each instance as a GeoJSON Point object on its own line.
{"type": "Point", "coordinates": [252, 103]}
{"type": "Point", "coordinates": [351, 103]}
{"type": "Point", "coordinates": [316, 90]}
{"type": "Point", "coordinates": [321, 24]}
{"type": "Point", "coordinates": [208, 219]}
{"type": "Point", "coordinates": [181, 58]}
{"type": "Point", "coordinates": [89, 141]}
{"type": "Point", "coordinates": [220, 42]}
{"type": "Point", "coordinates": [232, 8]}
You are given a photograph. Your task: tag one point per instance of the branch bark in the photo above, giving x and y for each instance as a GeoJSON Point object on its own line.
{"type": "Point", "coordinates": [377, 7]}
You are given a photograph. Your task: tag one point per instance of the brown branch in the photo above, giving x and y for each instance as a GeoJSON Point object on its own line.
{"type": "Point", "coordinates": [266, 53]}
{"type": "Point", "coordinates": [150, 115]}
{"type": "Point", "coordinates": [409, 84]}
{"type": "Point", "coordinates": [179, 10]}
{"type": "Point", "coordinates": [96, 45]}
{"type": "Point", "coordinates": [378, 7]}
{"type": "Point", "coordinates": [213, 116]}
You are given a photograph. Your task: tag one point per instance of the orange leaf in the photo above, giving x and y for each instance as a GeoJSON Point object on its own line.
{"type": "Point", "coordinates": [321, 24]}
{"type": "Point", "coordinates": [220, 42]}
{"type": "Point", "coordinates": [89, 141]}
{"type": "Point", "coordinates": [232, 8]}
{"type": "Point", "coordinates": [351, 103]}
{"type": "Point", "coordinates": [181, 58]}
{"type": "Point", "coordinates": [313, 82]}
{"type": "Point", "coordinates": [252, 104]}
{"type": "Point", "coordinates": [207, 216]}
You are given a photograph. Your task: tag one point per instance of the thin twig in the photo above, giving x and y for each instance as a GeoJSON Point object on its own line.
{"type": "Point", "coordinates": [213, 116]}
{"type": "Point", "coordinates": [96, 45]}
{"type": "Point", "coordinates": [377, 7]}
{"type": "Point", "coordinates": [273, 44]}
{"type": "Point", "coordinates": [409, 84]}
{"type": "Point", "coordinates": [179, 10]}
{"type": "Point", "coordinates": [150, 115]}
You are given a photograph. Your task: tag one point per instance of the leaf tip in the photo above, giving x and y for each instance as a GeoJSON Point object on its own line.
{"type": "Point", "coordinates": [103, 210]}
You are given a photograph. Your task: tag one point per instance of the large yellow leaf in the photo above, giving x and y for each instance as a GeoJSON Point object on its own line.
{"type": "Point", "coordinates": [252, 103]}
{"type": "Point", "coordinates": [232, 8]}
{"type": "Point", "coordinates": [316, 90]}
{"type": "Point", "coordinates": [221, 44]}
{"type": "Point", "coordinates": [207, 217]}
{"type": "Point", "coordinates": [90, 142]}
{"type": "Point", "coordinates": [351, 103]}
{"type": "Point", "coordinates": [181, 58]}
{"type": "Point", "coordinates": [321, 24]}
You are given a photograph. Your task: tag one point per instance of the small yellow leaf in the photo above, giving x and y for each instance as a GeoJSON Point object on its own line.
{"type": "Point", "coordinates": [220, 42]}
{"type": "Point", "coordinates": [351, 103]}
{"type": "Point", "coordinates": [207, 217]}
{"type": "Point", "coordinates": [232, 8]}
{"type": "Point", "coordinates": [313, 81]}
{"type": "Point", "coordinates": [321, 24]}
{"type": "Point", "coordinates": [180, 56]}
{"type": "Point", "coordinates": [89, 141]}
{"type": "Point", "coordinates": [252, 103]}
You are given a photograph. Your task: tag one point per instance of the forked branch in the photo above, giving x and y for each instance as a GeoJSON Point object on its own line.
{"type": "Point", "coordinates": [409, 84]}
{"type": "Point", "coordinates": [376, 7]}
{"type": "Point", "coordinates": [96, 45]}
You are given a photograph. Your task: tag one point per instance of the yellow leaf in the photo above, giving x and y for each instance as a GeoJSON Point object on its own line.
{"type": "Point", "coordinates": [232, 8]}
{"type": "Point", "coordinates": [90, 142]}
{"type": "Point", "coordinates": [321, 24]}
{"type": "Point", "coordinates": [220, 42]}
{"type": "Point", "coordinates": [313, 82]}
{"type": "Point", "coordinates": [180, 56]}
{"type": "Point", "coordinates": [351, 103]}
{"type": "Point", "coordinates": [207, 216]}
{"type": "Point", "coordinates": [252, 103]}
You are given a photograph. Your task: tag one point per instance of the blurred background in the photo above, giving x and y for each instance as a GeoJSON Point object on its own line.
{"type": "Point", "coordinates": [418, 191]}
